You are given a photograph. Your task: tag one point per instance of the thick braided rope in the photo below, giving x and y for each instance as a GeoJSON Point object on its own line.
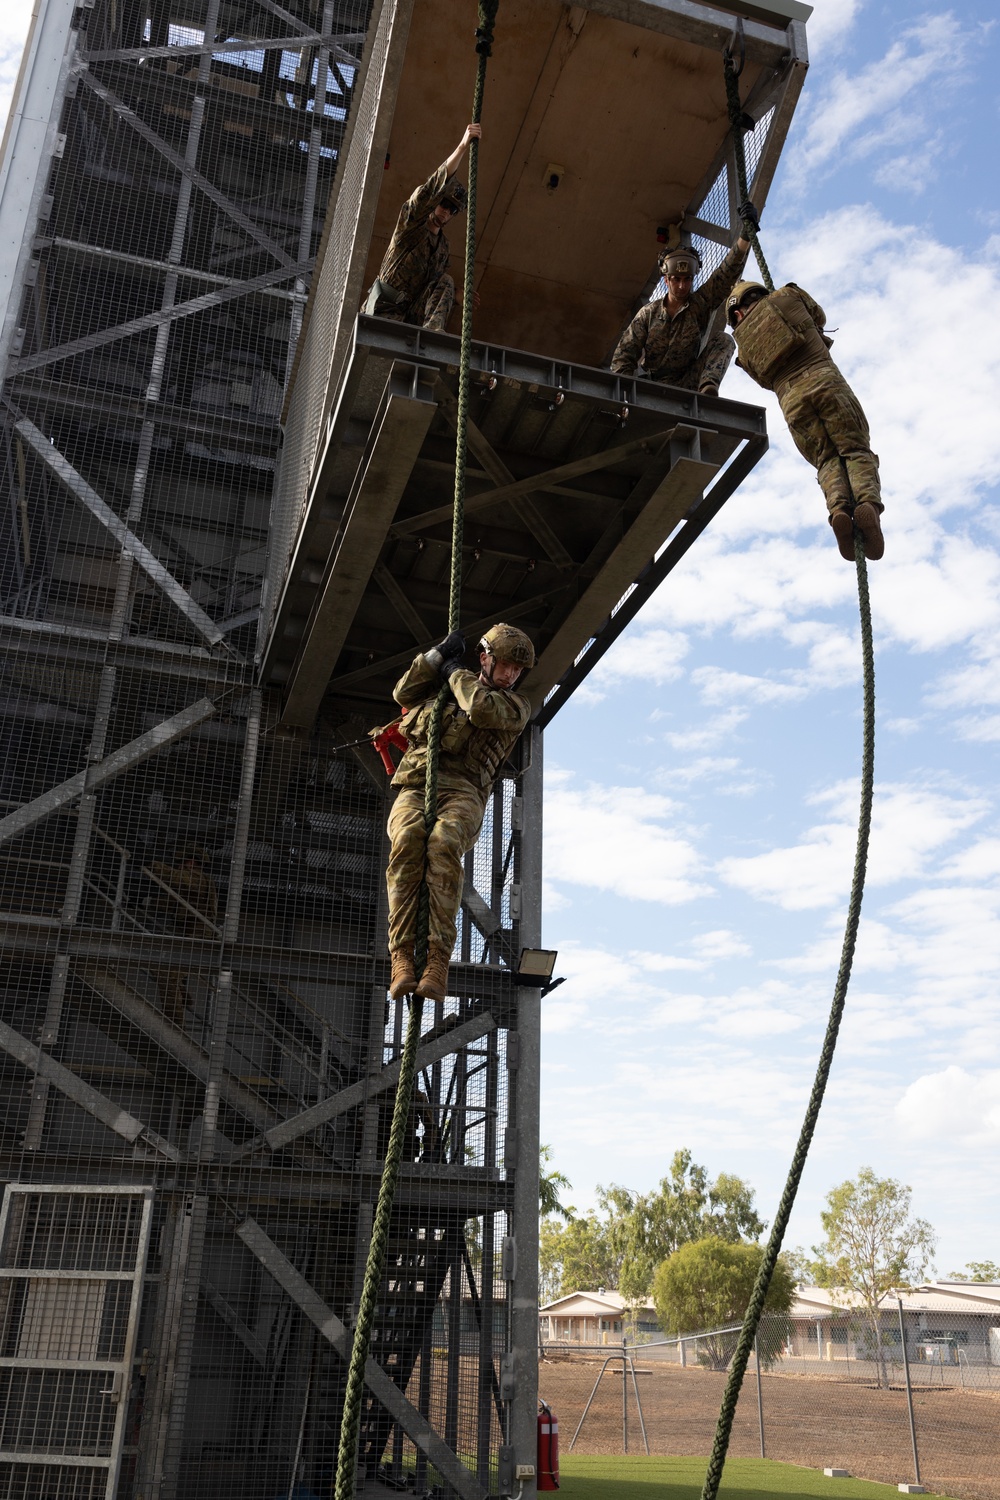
{"type": "Point", "coordinates": [739, 130]}
{"type": "Point", "coordinates": [350, 1427]}
{"type": "Point", "coordinates": [753, 1314]}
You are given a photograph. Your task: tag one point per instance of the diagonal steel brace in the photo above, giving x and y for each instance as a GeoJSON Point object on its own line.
{"type": "Point", "coordinates": [112, 765]}
{"type": "Point", "coordinates": [126, 538]}
{"type": "Point", "coordinates": [154, 319]}
{"type": "Point", "coordinates": [177, 161]}
{"type": "Point", "coordinates": [31, 1056]}
{"type": "Point", "coordinates": [416, 1427]}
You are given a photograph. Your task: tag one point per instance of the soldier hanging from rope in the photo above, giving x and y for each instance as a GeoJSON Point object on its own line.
{"type": "Point", "coordinates": [413, 284]}
{"type": "Point", "coordinates": [671, 336]}
{"type": "Point", "coordinates": [481, 723]}
{"type": "Point", "coordinates": [784, 347]}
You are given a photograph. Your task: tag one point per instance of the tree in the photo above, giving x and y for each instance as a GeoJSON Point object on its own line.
{"type": "Point", "coordinates": [977, 1270]}
{"type": "Point", "coordinates": [873, 1244]}
{"type": "Point", "coordinates": [707, 1285]}
{"type": "Point", "coordinates": [576, 1256]}
{"type": "Point", "coordinates": [620, 1246]}
{"type": "Point", "coordinates": [646, 1228]}
{"type": "Point", "coordinates": [550, 1185]}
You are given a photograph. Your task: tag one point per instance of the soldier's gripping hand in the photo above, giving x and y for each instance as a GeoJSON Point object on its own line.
{"type": "Point", "coordinates": [447, 655]}
{"type": "Point", "coordinates": [750, 216]}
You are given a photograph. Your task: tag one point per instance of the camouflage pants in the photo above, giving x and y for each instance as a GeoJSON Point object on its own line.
{"type": "Point", "coordinates": [460, 817]}
{"type": "Point", "coordinates": [830, 430]}
{"type": "Point", "coordinates": [431, 310]}
{"type": "Point", "coordinates": [709, 367]}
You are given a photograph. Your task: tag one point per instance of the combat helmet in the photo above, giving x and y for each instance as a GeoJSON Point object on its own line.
{"type": "Point", "coordinates": [454, 195]}
{"type": "Point", "coordinates": [742, 293]}
{"type": "Point", "coordinates": [507, 643]}
{"type": "Point", "coordinates": [682, 261]}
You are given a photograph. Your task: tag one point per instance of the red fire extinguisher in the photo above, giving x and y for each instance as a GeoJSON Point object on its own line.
{"type": "Point", "coordinates": [548, 1448]}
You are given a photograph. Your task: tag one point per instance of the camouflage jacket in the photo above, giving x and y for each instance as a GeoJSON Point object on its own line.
{"type": "Point", "coordinates": [479, 728]}
{"type": "Point", "coordinates": [416, 258]}
{"type": "Point", "coordinates": [668, 346]}
{"type": "Point", "coordinates": [782, 335]}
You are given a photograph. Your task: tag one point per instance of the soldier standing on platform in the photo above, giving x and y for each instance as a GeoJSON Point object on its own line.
{"type": "Point", "coordinates": [481, 723]}
{"type": "Point", "coordinates": [783, 346]}
{"type": "Point", "coordinates": [413, 284]}
{"type": "Point", "coordinates": [670, 337]}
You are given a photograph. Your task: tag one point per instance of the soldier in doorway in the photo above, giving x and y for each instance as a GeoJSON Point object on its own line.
{"type": "Point", "coordinates": [192, 915]}
{"type": "Point", "coordinates": [783, 345]}
{"type": "Point", "coordinates": [481, 722]}
{"type": "Point", "coordinates": [413, 284]}
{"type": "Point", "coordinates": [671, 336]}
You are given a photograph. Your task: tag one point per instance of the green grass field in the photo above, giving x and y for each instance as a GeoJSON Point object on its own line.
{"type": "Point", "coordinates": [633, 1478]}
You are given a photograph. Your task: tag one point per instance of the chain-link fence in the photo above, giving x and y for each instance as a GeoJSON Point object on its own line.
{"type": "Point", "coordinates": [829, 1394]}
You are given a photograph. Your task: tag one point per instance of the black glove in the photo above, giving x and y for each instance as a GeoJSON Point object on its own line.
{"type": "Point", "coordinates": [452, 647]}
{"type": "Point", "coordinates": [750, 216]}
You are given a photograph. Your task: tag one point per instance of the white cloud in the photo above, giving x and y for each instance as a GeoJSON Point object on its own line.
{"type": "Point", "coordinates": [908, 824]}
{"type": "Point", "coordinates": [952, 1105]}
{"type": "Point", "coordinates": [620, 839]}
{"type": "Point", "coordinates": [886, 103]}
{"type": "Point", "coordinates": [720, 943]}
{"type": "Point", "coordinates": [830, 23]}
{"type": "Point", "coordinates": [653, 655]}
{"type": "Point", "coordinates": [708, 733]}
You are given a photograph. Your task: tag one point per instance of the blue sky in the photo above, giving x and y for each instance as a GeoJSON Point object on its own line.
{"type": "Point", "coordinates": [702, 790]}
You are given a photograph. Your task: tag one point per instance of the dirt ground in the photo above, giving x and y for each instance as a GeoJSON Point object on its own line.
{"type": "Point", "coordinates": [815, 1421]}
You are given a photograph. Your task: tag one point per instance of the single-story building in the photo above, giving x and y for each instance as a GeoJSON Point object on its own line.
{"type": "Point", "coordinates": [945, 1322]}
{"type": "Point", "coordinates": [595, 1318]}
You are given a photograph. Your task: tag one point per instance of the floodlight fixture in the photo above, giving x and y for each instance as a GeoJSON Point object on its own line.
{"type": "Point", "coordinates": [534, 968]}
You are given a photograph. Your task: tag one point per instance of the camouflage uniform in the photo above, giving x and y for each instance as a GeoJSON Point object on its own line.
{"type": "Point", "coordinates": [783, 347]}
{"type": "Point", "coordinates": [670, 348]}
{"type": "Point", "coordinates": [479, 728]}
{"type": "Point", "coordinates": [415, 266]}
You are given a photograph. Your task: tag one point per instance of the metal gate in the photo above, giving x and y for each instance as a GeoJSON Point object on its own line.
{"type": "Point", "coordinates": [71, 1266]}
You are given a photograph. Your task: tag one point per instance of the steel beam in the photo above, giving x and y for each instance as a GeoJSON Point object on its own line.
{"type": "Point", "coordinates": [76, 643]}
{"type": "Point", "coordinates": [547, 479]}
{"type": "Point", "coordinates": [171, 1040]}
{"type": "Point", "coordinates": [521, 503]}
{"type": "Point", "coordinates": [400, 601]}
{"type": "Point", "coordinates": [112, 765]}
{"type": "Point", "coordinates": [652, 576]}
{"type": "Point", "coordinates": [123, 535]}
{"type": "Point", "coordinates": [216, 49]}
{"type": "Point", "coordinates": [378, 485]}
{"type": "Point", "coordinates": [195, 177]}
{"type": "Point", "coordinates": [416, 1427]}
{"type": "Point", "coordinates": [233, 1321]}
{"type": "Point", "coordinates": [22, 364]}
{"type": "Point", "coordinates": [117, 1119]}
{"type": "Point", "coordinates": [683, 486]}
{"type": "Point", "coordinates": [359, 1093]}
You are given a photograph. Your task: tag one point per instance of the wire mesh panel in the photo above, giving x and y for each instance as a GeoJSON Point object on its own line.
{"type": "Point", "coordinates": [71, 1267]}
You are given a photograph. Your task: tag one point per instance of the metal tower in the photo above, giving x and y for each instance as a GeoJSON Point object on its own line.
{"type": "Point", "coordinates": [226, 536]}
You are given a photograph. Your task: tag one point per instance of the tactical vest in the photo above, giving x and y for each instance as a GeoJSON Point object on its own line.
{"type": "Point", "coordinates": [474, 755]}
{"type": "Point", "coordinates": [778, 337]}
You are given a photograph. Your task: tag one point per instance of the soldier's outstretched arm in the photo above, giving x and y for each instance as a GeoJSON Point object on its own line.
{"type": "Point", "coordinates": [472, 133]}
{"type": "Point", "coordinates": [418, 682]}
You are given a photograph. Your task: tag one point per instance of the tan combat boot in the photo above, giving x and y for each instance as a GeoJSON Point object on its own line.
{"type": "Point", "coordinates": [403, 973]}
{"type": "Point", "coordinates": [866, 519]}
{"type": "Point", "coordinates": [434, 980]}
{"type": "Point", "coordinates": [843, 530]}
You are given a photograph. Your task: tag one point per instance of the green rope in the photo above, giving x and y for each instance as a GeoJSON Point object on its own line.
{"type": "Point", "coordinates": [751, 1321]}
{"type": "Point", "coordinates": [350, 1427]}
{"type": "Point", "coordinates": [756, 1307]}
{"type": "Point", "coordinates": [737, 121]}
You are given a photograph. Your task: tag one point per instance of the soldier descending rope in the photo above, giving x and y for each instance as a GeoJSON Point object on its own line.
{"type": "Point", "coordinates": [480, 725]}
{"type": "Point", "coordinates": [783, 346]}
{"type": "Point", "coordinates": [413, 284]}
